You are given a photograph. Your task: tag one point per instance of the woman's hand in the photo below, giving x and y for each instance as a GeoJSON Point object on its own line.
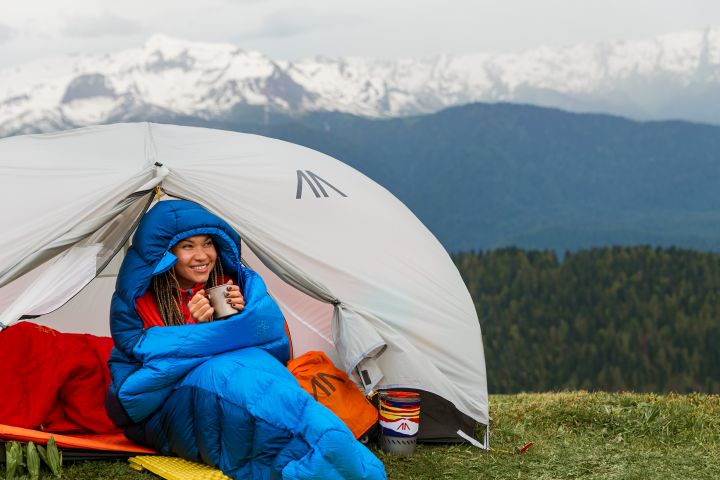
{"type": "Point", "coordinates": [234, 297]}
{"type": "Point", "coordinates": [200, 308]}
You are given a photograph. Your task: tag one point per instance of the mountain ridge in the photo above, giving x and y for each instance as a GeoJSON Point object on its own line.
{"type": "Point", "coordinates": [675, 75]}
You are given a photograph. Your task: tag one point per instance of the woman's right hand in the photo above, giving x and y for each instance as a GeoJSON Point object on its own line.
{"type": "Point", "coordinates": [200, 308]}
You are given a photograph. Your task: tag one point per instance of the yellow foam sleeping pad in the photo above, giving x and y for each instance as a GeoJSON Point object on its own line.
{"type": "Point", "coordinates": [174, 468]}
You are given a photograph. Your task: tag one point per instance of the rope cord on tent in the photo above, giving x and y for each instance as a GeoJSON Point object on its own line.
{"type": "Point", "coordinates": [159, 192]}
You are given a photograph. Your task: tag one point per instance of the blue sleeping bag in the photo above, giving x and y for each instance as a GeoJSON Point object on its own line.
{"type": "Point", "coordinates": [219, 392]}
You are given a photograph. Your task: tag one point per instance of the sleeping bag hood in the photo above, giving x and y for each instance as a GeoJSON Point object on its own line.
{"type": "Point", "coordinates": [160, 229]}
{"type": "Point", "coordinates": [163, 226]}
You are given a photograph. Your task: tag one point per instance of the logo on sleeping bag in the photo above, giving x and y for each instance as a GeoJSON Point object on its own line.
{"type": "Point", "coordinates": [315, 183]}
{"type": "Point", "coordinates": [328, 388]}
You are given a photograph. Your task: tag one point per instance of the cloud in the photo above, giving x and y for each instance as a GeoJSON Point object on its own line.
{"type": "Point", "coordinates": [290, 23]}
{"type": "Point", "coordinates": [100, 26]}
{"type": "Point", "coordinates": [6, 33]}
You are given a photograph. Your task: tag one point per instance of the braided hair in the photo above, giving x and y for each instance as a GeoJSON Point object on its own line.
{"type": "Point", "coordinates": [165, 290]}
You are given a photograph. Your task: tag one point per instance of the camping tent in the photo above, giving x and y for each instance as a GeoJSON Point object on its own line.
{"type": "Point", "coordinates": [356, 274]}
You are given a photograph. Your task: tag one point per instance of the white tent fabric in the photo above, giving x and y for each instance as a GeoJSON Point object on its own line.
{"type": "Point", "coordinates": [60, 281]}
{"type": "Point", "coordinates": [355, 272]}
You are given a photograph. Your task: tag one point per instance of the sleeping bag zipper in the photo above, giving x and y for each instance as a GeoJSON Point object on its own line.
{"type": "Point", "coordinates": [139, 340]}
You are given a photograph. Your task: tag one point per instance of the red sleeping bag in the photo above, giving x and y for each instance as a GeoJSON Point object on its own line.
{"type": "Point", "coordinates": [54, 381]}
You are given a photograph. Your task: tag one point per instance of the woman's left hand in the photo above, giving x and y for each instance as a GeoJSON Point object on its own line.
{"type": "Point", "coordinates": [235, 297]}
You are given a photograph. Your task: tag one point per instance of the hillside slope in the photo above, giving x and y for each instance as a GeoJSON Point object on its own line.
{"type": "Point", "coordinates": [615, 319]}
{"type": "Point", "coordinates": [493, 175]}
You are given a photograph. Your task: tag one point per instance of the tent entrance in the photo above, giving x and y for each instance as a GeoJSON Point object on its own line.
{"type": "Point", "coordinates": [72, 291]}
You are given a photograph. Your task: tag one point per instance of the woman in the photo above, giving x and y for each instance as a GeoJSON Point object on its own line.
{"type": "Point", "coordinates": [214, 391]}
{"type": "Point", "coordinates": [177, 296]}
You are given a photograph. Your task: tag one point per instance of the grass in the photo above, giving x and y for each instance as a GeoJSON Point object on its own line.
{"type": "Point", "coordinates": [575, 434]}
{"type": "Point", "coordinates": [583, 435]}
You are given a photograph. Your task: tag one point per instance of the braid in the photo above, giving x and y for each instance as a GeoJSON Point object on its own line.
{"type": "Point", "coordinates": [168, 306]}
{"type": "Point", "coordinates": [213, 277]}
{"type": "Point", "coordinates": [217, 276]}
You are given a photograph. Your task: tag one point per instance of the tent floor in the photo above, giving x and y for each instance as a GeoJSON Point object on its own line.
{"type": "Point", "coordinates": [439, 419]}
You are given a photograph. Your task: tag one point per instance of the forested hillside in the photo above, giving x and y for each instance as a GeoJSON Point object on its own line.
{"type": "Point", "coordinates": [644, 319]}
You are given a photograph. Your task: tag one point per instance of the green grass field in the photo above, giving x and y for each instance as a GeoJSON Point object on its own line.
{"type": "Point", "coordinates": [575, 435]}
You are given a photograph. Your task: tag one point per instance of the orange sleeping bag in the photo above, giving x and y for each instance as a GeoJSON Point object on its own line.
{"type": "Point", "coordinates": [333, 388]}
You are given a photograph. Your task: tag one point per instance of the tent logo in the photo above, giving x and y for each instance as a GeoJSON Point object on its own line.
{"type": "Point", "coordinates": [315, 383]}
{"type": "Point", "coordinates": [315, 183]}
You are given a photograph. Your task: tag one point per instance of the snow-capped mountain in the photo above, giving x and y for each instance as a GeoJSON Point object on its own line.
{"type": "Point", "coordinates": [671, 76]}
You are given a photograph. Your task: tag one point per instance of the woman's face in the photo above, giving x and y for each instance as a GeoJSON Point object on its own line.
{"type": "Point", "coordinates": [196, 258]}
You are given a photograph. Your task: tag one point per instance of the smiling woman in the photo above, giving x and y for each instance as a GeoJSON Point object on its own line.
{"type": "Point", "coordinates": [178, 296]}
{"type": "Point", "coordinates": [196, 258]}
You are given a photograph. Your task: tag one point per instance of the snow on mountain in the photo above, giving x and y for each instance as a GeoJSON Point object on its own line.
{"type": "Point", "coordinates": [671, 76]}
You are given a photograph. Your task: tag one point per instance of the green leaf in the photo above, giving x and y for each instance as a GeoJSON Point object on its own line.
{"type": "Point", "coordinates": [43, 454]}
{"type": "Point", "coordinates": [33, 461]}
{"type": "Point", "coordinates": [54, 458]}
{"type": "Point", "coordinates": [14, 455]}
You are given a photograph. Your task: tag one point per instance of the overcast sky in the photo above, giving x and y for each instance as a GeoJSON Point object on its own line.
{"type": "Point", "coordinates": [293, 29]}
